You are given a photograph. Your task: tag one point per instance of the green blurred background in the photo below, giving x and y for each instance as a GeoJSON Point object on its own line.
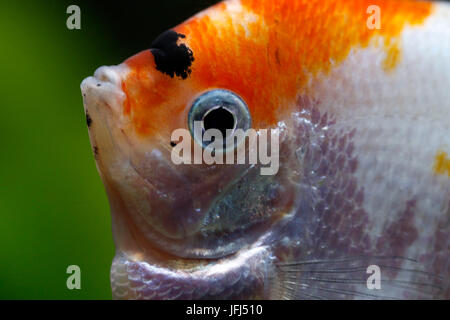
{"type": "Point", "coordinates": [53, 208]}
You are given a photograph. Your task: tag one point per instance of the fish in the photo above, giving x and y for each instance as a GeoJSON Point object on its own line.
{"type": "Point", "coordinates": [358, 95]}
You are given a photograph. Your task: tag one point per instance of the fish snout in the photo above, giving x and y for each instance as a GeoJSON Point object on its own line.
{"type": "Point", "coordinates": [103, 100]}
{"type": "Point", "coordinates": [108, 75]}
{"type": "Point", "coordinates": [104, 89]}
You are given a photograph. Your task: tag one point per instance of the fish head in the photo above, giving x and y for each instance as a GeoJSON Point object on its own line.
{"type": "Point", "coordinates": [338, 201]}
{"type": "Point", "coordinates": [191, 214]}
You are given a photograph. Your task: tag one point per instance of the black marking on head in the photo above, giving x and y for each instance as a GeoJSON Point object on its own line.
{"type": "Point", "coordinates": [173, 144]}
{"type": "Point", "coordinates": [88, 120]}
{"type": "Point", "coordinates": [172, 58]}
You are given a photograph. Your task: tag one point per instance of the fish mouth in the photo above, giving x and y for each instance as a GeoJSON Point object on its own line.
{"type": "Point", "coordinates": [103, 99]}
{"type": "Point", "coordinates": [104, 88]}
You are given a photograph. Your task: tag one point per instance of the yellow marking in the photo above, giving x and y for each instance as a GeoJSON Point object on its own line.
{"type": "Point", "coordinates": [442, 163]}
{"type": "Point", "coordinates": [394, 55]}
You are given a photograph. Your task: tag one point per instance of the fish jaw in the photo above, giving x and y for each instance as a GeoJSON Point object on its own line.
{"type": "Point", "coordinates": [103, 99]}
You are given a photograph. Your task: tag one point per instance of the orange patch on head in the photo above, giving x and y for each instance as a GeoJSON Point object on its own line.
{"type": "Point", "coordinates": [268, 51]}
{"type": "Point", "coordinates": [442, 164]}
{"type": "Point", "coordinates": [148, 92]}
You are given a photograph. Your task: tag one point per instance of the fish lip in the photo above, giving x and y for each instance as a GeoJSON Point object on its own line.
{"type": "Point", "coordinates": [103, 100]}
{"type": "Point", "coordinates": [108, 75]}
{"type": "Point", "coordinates": [104, 87]}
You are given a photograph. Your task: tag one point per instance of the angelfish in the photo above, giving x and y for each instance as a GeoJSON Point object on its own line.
{"type": "Point", "coordinates": [360, 205]}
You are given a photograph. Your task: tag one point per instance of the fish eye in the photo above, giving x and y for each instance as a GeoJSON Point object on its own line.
{"type": "Point", "coordinates": [218, 109]}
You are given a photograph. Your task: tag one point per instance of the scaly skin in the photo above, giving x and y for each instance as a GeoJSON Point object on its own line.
{"type": "Point", "coordinates": [364, 178]}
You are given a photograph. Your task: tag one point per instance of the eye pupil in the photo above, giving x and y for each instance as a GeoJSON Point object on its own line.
{"type": "Point", "coordinates": [222, 110]}
{"type": "Point", "coordinates": [221, 119]}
